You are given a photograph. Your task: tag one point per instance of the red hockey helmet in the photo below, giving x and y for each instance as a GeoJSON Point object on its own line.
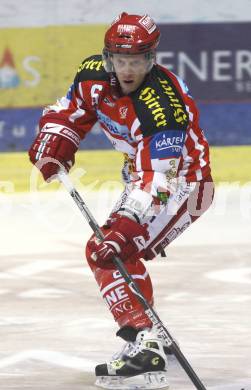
{"type": "Point", "coordinates": [132, 34]}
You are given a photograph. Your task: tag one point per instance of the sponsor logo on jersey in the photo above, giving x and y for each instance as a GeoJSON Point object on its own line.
{"type": "Point", "coordinates": [180, 115]}
{"type": "Point", "coordinates": [91, 64]}
{"type": "Point", "coordinates": [151, 99]}
{"type": "Point", "coordinates": [112, 126]}
{"type": "Point", "coordinates": [167, 144]}
{"type": "Point", "coordinates": [183, 192]}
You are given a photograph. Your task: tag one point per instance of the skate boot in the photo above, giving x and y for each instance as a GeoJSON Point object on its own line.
{"type": "Point", "coordinates": [142, 363]}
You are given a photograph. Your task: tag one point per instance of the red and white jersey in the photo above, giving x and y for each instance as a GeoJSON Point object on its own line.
{"type": "Point", "coordinates": [156, 126]}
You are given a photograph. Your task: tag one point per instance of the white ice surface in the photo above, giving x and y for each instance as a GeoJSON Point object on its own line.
{"type": "Point", "coordinates": [34, 221]}
{"type": "Point", "coordinates": [52, 314]}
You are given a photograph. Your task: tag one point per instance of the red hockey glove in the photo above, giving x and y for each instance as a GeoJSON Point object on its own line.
{"type": "Point", "coordinates": [123, 238]}
{"type": "Point", "coordinates": [60, 147]}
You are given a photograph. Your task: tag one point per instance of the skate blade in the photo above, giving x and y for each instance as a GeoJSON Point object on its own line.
{"type": "Point", "coordinates": [146, 381]}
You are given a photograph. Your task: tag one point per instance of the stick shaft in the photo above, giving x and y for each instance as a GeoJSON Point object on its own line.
{"type": "Point", "coordinates": [150, 312]}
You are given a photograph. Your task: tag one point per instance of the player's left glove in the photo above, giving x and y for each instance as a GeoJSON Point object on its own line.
{"type": "Point", "coordinates": [123, 238]}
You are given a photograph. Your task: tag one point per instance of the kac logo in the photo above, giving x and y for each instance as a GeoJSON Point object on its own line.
{"type": "Point", "coordinates": [123, 112]}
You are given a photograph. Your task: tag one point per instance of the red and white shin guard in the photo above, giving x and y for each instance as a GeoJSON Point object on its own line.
{"type": "Point", "coordinates": [121, 301]}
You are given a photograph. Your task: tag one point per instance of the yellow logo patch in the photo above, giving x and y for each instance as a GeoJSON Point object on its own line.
{"type": "Point", "coordinates": [117, 364]}
{"type": "Point", "coordinates": [91, 64]}
{"type": "Point", "coordinates": [150, 97]}
{"type": "Point", "coordinates": [180, 115]}
{"type": "Point", "coordinates": [155, 361]}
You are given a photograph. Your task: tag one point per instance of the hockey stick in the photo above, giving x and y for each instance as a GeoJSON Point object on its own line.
{"type": "Point", "coordinates": [150, 312]}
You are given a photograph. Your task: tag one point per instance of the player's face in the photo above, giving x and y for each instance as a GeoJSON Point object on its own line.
{"type": "Point", "coordinates": [130, 70]}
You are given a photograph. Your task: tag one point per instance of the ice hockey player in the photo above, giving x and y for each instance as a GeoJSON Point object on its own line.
{"type": "Point", "coordinates": [147, 113]}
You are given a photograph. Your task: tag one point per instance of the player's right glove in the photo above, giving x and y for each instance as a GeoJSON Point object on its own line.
{"type": "Point", "coordinates": [55, 143]}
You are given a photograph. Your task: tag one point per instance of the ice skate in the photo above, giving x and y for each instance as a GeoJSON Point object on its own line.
{"type": "Point", "coordinates": [142, 363]}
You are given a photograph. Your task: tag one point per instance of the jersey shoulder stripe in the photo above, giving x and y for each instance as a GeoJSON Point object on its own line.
{"type": "Point", "coordinates": [92, 69]}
